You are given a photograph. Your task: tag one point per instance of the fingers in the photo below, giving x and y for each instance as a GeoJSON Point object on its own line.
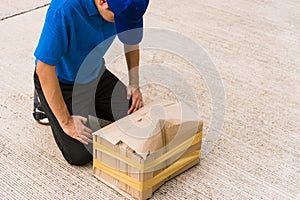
{"type": "Point", "coordinates": [136, 96]}
{"type": "Point", "coordinates": [81, 140]}
{"type": "Point", "coordinates": [128, 94]}
{"type": "Point", "coordinates": [85, 135]}
{"type": "Point", "coordinates": [81, 132]}
{"type": "Point", "coordinates": [82, 119]}
{"type": "Point", "coordinates": [88, 130]}
{"type": "Point", "coordinates": [85, 139]}
{"type": "Point", "coordinates": [137, 106]}
{"type": "Point", "coordinates": [133, 105]}
{"type": "Point", "coordinates": [137, 103]}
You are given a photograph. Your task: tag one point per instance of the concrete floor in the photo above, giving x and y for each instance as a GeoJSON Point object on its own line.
{"type": "Point", "coordinates": [254, 46]}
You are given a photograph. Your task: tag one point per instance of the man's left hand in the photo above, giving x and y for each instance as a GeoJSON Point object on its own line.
{"type": "Point", "coordinates": [137, 99]}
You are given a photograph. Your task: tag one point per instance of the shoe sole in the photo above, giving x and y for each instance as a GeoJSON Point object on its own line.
{"type": "Point", "coordinates": [43, 123]}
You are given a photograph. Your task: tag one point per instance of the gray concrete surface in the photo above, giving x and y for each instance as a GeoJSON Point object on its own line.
{"type": "Point", "coordinates": [10, 8]}
{"type": "Point", "coordinates": [255, 47]}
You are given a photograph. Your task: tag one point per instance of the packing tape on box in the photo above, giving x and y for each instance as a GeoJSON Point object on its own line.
{"type": "Point", "coordinates": [183, 146]}
{"type": "Point", "coordinates": [142, 186]}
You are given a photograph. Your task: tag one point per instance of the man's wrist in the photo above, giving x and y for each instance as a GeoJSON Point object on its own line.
{"type": "Point", "coordinates": [134, 77]}
{"type": "Point", "coordinates": [134, 85]}
{"type": "Point", "coordinates": [65, 121]}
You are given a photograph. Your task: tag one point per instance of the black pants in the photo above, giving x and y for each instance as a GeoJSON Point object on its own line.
{"type": "Point", "coordinates": [104, 98]}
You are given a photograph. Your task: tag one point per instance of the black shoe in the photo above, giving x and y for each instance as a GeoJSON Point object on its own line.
{"type": "Point", "coordinates": [38, 112]}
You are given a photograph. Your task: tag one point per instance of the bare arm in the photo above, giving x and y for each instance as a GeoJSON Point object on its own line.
{"type": "Point", "coordinates": [72, 125]}
{"type": "Point", "coordinates": [132, 54]}
{"type": "Point", "coordinates": [52, 92]}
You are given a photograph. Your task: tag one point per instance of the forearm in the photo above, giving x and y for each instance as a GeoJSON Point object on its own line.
{"type": "Point", "coordinates": [132, 54]}
{"type": "Point", "coordinates": [52, 92]}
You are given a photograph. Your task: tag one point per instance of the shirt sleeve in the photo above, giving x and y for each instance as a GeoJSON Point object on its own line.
{"type": "Point", "coordinates": [53, 42]}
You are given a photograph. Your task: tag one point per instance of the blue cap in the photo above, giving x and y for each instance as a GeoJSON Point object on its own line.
{"type": "Point", "coordinates": [129, 19]}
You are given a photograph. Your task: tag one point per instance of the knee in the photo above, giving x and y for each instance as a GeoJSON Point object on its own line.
{"type": "Point", "coordinates": [78, 159]}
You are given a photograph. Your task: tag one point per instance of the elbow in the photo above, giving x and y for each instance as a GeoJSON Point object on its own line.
{"type": "Point", "coordinates": [39, 69]}
{"type": "Point", "coordinates": [129, 48]}
{"type": "Point", "coordinates": [43, 69]}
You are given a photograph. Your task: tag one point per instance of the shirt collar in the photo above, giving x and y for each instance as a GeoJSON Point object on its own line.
{"type": "Point", "coordinates": [91, 8]}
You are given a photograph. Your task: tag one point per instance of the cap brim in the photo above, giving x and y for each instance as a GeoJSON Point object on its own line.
{"type": "Point", "coordinates": [129, 33]}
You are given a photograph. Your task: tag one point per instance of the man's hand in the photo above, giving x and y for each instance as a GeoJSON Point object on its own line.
{"type": "Point", "coordinates": [137, 99]}
{"type": "Point", "coordinates": [132, 54]}
{"type": "Point", "coordinates": [75, 128]}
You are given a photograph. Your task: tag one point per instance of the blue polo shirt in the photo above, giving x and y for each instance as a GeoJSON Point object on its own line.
{"type": "Point", "coordinates": [74, 38]}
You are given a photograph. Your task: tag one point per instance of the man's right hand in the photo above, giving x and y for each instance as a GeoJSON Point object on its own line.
{"type": "Point", "coordinates": [75, 128]}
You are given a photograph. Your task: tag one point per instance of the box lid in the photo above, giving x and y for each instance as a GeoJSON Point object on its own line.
{"type": "Point", "coordinates": [141, 131]}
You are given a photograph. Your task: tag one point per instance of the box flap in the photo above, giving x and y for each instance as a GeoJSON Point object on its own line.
{"type": "Point", "coordinates": [142, 130]}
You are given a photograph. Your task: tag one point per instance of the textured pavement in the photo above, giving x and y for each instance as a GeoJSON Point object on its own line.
{"type": "Point", "coordinates": [254, 46]}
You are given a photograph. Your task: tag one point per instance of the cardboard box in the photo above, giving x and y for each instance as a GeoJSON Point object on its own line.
{"type": "Point", "coordinates": [140, 152]}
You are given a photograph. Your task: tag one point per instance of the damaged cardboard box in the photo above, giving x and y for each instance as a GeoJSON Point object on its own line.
{"type": "Point", "coordinates": [137, 154]}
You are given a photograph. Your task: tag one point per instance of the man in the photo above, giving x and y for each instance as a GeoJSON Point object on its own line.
{"type": "Point", "coordinates": [70, 77]}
